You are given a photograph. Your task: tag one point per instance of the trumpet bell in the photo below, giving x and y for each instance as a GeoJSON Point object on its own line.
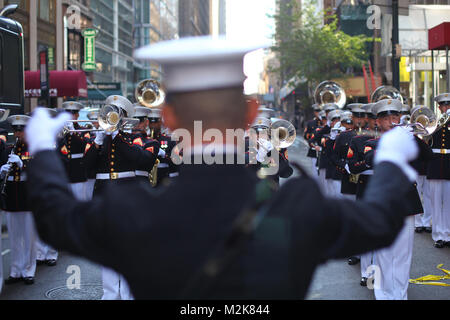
{"type": "Point", "coordinates": [330, 92]}
{"type": "Point", "coordinates": [283, 133]}
{"type": "Point", "coordinates": [149, 93]}
{"type": "Point", "coordinates": [109, 118]}
{"type": "Point", "coordinates": [386, 92]}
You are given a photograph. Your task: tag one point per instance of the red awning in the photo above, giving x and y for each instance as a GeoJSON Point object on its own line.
{"type": "Point", "coordinates": [62, 84]}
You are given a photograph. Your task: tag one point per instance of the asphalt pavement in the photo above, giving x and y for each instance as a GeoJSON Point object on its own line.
{"type": "Point", "coordinates": [335, 280]}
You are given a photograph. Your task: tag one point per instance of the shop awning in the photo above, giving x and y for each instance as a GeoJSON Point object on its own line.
{"type": "Point", "coordinates": [66, 84]}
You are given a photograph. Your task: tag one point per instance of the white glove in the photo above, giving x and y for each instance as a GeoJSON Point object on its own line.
{"type": "Point", "coordinates": [266, 145]}
{"type": "Point", "coordinates": [334, 133]}
{"type": "Point", "coordinates": [161, 153]}
{"type": "Point", "coordinates": [70, 126]}
{"type": "Point", "coordinates": [261, 155]}
{"type": "Point", "coordinates": [4, 170]}
{"type": "Point", "coordinates": [347, 168]}
{"type": "Point", "coordinates": [337, 125]}
{"type": "Point", "coordinates": [15, 159]}
{"type": "Point", "coordinates": [399, 147]}
{"type": "Point", "coordinates": [100, 136]}
{"type": "Point", "coordinates": [329, 123]}
{"type": "Point", "coordinates": [42, 130]}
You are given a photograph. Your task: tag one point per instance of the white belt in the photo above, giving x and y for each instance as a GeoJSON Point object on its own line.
{"type": "Point", "coordinates": [142, 173]}
{"type": "Point", "coordinates": [172, 175]}
{"type": "Point", "coordinates": [367, 173]}
{"type": "Point", "coordinates": [115, 175]}
{"type": "Point", "coordinates": [23, 177]}
{"type": "Point", "coordinates": [163, 165]}
{"type": "Point", "coordinates": [76, 156]}
{"type": "Point", "coordinates": [442, 151]}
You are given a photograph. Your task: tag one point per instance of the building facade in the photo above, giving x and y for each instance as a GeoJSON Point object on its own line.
{"type": "Point", "coordinates": [194, 18]}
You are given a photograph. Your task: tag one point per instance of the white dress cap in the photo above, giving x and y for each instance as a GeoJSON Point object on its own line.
{"type": "Point", "coordinates": [18, 120]}
{"type": "Point", "coordinates": [356, 107]}
{"type": "Point", "coordinates": [121, 102]}
{"type": "Point", "coordinates": [392, 105]}
{"type": "Point", "coordinates": [141, 112]}
{"type": "Point", "coordinates": [442, 98]}
{"type": "Point", "coordinates": [200, 63]}
{"type": "Point", "coordinates": [72, 105]}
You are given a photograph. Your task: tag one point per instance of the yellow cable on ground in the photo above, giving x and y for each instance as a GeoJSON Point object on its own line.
{"type": "Point", "coordinates": [431, 279]}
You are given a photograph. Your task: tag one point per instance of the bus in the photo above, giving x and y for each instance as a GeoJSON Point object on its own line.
{"type": "Point", "coordinates": [12, 97]}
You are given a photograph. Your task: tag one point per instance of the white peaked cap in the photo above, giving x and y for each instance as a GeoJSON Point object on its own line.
{"type": "Point", "coordinates": [141, 112]}
{"type": "Point", "coordinates": [200, 63]}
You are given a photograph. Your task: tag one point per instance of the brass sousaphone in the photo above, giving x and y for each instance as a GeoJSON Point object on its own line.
{"type": "Point", "coordinates": [386, 92]}
{"type": "Point", "coordinates": [330, 92]}
{"type": "Point", "coordinates": [149, 93]}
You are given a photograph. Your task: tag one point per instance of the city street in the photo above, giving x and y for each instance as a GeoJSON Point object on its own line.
{"type": "Point", "coordinates": [334, 280]}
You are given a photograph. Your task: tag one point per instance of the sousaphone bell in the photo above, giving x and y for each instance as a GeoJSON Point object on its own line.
{"type": "Point", "coordinates": [149, 93]}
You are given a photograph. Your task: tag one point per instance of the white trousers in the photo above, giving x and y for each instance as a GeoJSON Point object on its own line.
{"type": "Point", "coordinates": [349, 196]}
{"type": "Point", "coordinates": [22, 238]}
{"type": "Point", "coordinates": [366, 262]}
{"type": "Point", "coordinates": [323, 181]}
{"type": "Point", "coordinates": [334, 187]}
{"type": "Point", "coordinates": [115, 286]}
{"type": "Point", "coordinates": [90, 188]}
{"type": "Point", "coordinates": [440, 195]}
{"type": "Point", "coordinates": [424, 219]}
{"type": "Point", "coordinates": [313, 166]}
{"type": "Point", "coordinates": [395, 265]}
{"type": "Point", "coordinates": [79, 190]}
{"type": "Point", "coordinates": [44, 251]}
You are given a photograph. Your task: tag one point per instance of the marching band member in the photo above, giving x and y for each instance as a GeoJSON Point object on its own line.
{"type": "Point", "coordinates": [395, 261]}
{"type": "Point", "coordinates": [115, 159]}
{"type": "Point", "coordinates": [150, 146]}
{"type": "Point", "coordinates": [439, 178]}
{"type": "Point", "coordinates": [91, 171]}
{"type": "Point", "coordinates": [72, 147]}
{"type": "Point", "coordinates": [422, 221]}
{"type": "Point", "coordinates": [258, 152]}
{"type": "Point", "coordinates": [310, 128]}
{"type": "Point", "coordinates": [339, 157]}
{"type": "Point", "coordinates": [22, 233]}
{"type": "Point", "coordinates": [361, 173]}
{"type": "Point", "coordinates": [167, 170]}
{"type": "Point", "coordinates": [45, 254]}
{"type": "Point", "coordinates": [333, 118]}
{"type": "Point", "coordinates": [317, 141]}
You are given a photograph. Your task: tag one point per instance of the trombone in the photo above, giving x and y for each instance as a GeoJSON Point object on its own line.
{"type": "Point", "coordinates": [110, 119]}
{"type": "Point", "coordinates": [423, 122]}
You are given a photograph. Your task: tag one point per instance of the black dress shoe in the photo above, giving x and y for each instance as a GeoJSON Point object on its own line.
{"type": "Point", "coordinates": [28, 280]}
{"type": "Point", "coordinates": [363, 282]}
{"type": "Point", "coordinates": [12, 280]}
{"type": "Point", "coordinates": [419, 229]}
{"type": "Point", "coordinates": [439, 244]}
{"type": "Point", "coordinates": [427, 229]}
{"type": "Point", "coordinates": [353, 260]}
{"type": "Point", "coordinates": [51, 262]}
{"type": "Point", "coordinates": [40, 262]}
